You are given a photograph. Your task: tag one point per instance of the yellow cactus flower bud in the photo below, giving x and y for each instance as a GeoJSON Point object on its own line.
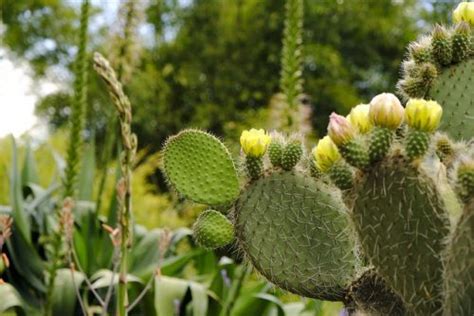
{"type": "Point", "coordinates": [423, 115]}
{"type": "Point", "coordinates": [325, 154]}
{"type": "Point", "coordinates": [254, 142]}
{"type": "Point", "coordinates": [340, 129]}
{"type": "Point", "coordinates": [386, 111]}
{"type": "Point", "coordinates": [464, 12]}
{"type": "Point", "coordinates": [359, 118]}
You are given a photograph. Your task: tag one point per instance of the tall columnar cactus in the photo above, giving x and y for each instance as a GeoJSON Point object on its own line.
{"type": "Point", "coordinates": [371, 218]}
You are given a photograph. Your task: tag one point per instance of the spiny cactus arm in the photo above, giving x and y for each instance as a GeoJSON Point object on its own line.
{"type": "Point", "coordinates": [295, 231]}
{"type": "Point", "coordinates": [200, 168]}
{"type": "Point", "coordinates": [402, 223]}
{"type": "Point", "coordinates": [459, 266]}
{"type": "Point", "coordinates": [441, 67]}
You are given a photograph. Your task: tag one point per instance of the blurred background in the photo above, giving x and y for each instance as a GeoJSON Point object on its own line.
{"type": "Point", "coordinates": [209, 64]}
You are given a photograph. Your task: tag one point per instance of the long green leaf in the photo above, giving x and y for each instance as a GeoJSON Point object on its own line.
{"type": "Point", "coordinates": [16, 199]}
{"type": "Point", "coordinates": [64, 293]}
{"type": "Point", "coordinates": [86, 176]}
{"type": "Point", "coordinates": [9, 298]}
{"type": "Point", "coordinates": [29, 173]}
{"type": "Point", "coordinates": [169, 293]}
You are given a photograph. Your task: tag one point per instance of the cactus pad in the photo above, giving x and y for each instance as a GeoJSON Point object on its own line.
{"type": "Point", "coordinates": [459, 271]}
{"type": "Point", "coordinates": [453, 89]}
{"type": "Point", "coordinates": [295, 232]}
{"type": "Point", "coordinates": [213, 230]}
{"type": "Point", "coordinates": [200, 168]}
{"type": "Point", "coordinates": [402, 224]}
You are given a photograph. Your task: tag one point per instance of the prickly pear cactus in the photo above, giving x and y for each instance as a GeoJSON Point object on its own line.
{"type": "Point", "coordinates": [402, 225]}
{"type": "Point", "coordinates": [293, 229]}
{"type": "Point", "coordinates": [441, 67]}
{"type": "Point", "coordinates": [200, 168]}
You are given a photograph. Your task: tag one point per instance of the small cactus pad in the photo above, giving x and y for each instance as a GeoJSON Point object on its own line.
{"type": "Point", "coordinates": [295, 231]}
{"type": "Point", "coordinates": [200, 168]}
{"type": "Point", "coordinates": [291, 155]}
{"type": "Point", "coordinates": [453, 89]}
{"type": "Point", "coordinates": [213, 230]}
{"type": "Point", "coordinates": [402, 225]}
{"type": "Point", "coordinates": [459, 267]}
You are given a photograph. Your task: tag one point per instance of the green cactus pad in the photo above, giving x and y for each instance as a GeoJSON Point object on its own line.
{"type": "Point", "coordinates": [459, 271]}
{"type": "Point", "coordinates": [453, 89]}
{"type": "Point", "coordinates": [200, 168]}
{"type": "Point", "coordinates": [402, 225]}
{"type": "Point", "coordinates": [294, 230]}
{"type": "Point", "coordinates": [213, 230]}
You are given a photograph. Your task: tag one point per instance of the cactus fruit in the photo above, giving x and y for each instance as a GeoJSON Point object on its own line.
{"type": "Point", "coordinates": [293, 229]}
{"type": "Point", "coordinates": [446, 77]}
{"type": "Point", "coordinates": [275, 152]}
{"type": "Point", "coordinates": [291, 155]}
{"type": "Point", "coordinates": [199, 166]}
{"type": "Point", "coordinates": [213, 230]}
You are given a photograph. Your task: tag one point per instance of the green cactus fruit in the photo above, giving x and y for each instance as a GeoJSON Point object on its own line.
{"type": "Point", "coordinates": [254, 167]}
{"type": "Point", "coordinates": [275, 152]}
{"type": "Point", "coordinates": [453, 90]}
{"type": "Point", "coordinates": [291, 155]}
{"type": "Point", "coordinates": [444, 148]}
{"type": "Point", "coordinates": [459, 267]}
{"type": "Point", "coordinates": [441, 46]}
{"type": "Point", "coordinates": [379, 143]}
{"type": "Point", "coordinates": [213, 230]}
{"type": "Point", "coordinates": [465, 181]}
{"type": "Point", "coordinates": [417, 143]}
{"type": "Point", "coordinates": [420, 51]}
{"type": "Point", "coordinates": [461, 40]}
{"type": "Point", "coordinates": [355, 153]}
{"type": "Point", "coordinates": [200, 168]}
{"type": "Point", "coordinates": [295, 231]}
{"type": "Point", "coordinates": [341, 175]}
{"type": "Point", "coordinates": [402, 223]}
{"type": "Point", "coordinates": [373, 296]}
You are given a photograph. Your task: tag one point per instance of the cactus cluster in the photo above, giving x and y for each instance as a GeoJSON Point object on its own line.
{"type": "Point", "coordinates": [378, 216]}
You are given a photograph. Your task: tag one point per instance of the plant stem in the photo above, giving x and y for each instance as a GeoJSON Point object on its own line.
{"type": "Point", "coordinates": [129, 140]}
{"type": "Point", "coordinates": [235, 290]}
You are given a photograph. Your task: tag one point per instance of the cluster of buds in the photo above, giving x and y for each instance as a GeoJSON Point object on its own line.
{"type": "Point", "coordinates": [66, 220]}
{"type": "Point", "coordinates": [464, 12]}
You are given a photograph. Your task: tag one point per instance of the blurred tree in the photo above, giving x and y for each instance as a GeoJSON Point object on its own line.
{"type": "Point", "coordinates": [208, 63]}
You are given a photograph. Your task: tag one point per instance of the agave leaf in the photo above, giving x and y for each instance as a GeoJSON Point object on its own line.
{"type": "Point", "coordinates": [64, 293]}
{"type": "Point", "coordinates": [170, 293]}
{"type": "Point", "coordinates": [29, 173]}
{"type": "Point", "coordinates": [9, 298]}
